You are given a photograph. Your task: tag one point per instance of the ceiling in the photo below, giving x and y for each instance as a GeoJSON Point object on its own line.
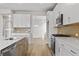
{"type": "Point", "coordinates": [27, 6]}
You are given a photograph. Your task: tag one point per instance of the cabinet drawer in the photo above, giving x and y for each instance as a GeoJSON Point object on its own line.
{"type": "Point", "coordinates": [65, 53]}
{"type": "Point", "coordinates": [72, 50]}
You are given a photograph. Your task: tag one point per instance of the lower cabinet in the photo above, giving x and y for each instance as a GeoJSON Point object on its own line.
{"type": "Point", "coordinates": [57, 48]}
{"type": "Point", "coordinates": [63, 51]}
{"type": "Point", "coordinates": [63, 48]}
{"type": "Point", "coordinates": [60, 50]}
{"type": "Point", "coordinates": [22, 47]}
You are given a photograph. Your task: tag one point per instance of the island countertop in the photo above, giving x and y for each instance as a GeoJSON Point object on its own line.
{"type": "Point", "coordinates": [5, 43]}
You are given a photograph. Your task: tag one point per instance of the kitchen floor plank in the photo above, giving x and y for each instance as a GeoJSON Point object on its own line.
{"type": "Point", "coordinates": [38, 48]}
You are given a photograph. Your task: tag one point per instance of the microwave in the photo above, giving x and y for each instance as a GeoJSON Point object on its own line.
{"type": "Point", "coordinates": [59, 20]}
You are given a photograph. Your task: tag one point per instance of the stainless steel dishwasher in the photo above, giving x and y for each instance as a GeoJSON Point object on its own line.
{"type": "Point", "coordinates": [9, 51]}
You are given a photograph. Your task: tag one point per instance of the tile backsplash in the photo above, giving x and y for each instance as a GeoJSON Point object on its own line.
{"type": "Point", "coordinates": [72, 30]}
{"type": "Point", "coordinates": [20, 30]}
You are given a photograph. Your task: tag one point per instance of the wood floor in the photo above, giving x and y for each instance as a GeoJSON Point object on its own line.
{"type": "Point", "coordinates": [38, 48]}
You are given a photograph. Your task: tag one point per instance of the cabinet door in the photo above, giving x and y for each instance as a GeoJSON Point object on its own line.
{"type": "Point", "coordinates": [21, 20]}
{"type": "Point", "coordinates": [57, 11]}
{"type": "Point", "coordinates": [63, 51]}
{"type": "Point", "coordinates": [66, 14]}
{"type": "Point", "coordinates": [51, 16]}
{"type": "Point", "coordinates": [26, 46]}
{"type": "Point", "coordinates": [74, 51]}
{"type": "Point", "coordinates": [60, 49]}
{"type": "Point", "coordinates": [62, 8]}
{"type": "Point", "coordinates": [71, 12]}
{"type": "Point", "coordinates": [74, 13]}
{"type": "Point", "coordinates": [58, 8]}
{"type": "Point", "coordinates": [22, 47]}
{"type": "Point", "coordinates": [57, 48]}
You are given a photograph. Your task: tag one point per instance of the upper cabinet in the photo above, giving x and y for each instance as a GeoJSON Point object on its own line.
{"type": "Point", "coordinates": [21, 20]}
{"type": "Point", "coordinates": [70, 12]}
{"type": "Point", "coordinates": [51, 17]}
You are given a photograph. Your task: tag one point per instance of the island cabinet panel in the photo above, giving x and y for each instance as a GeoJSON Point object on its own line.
{"type": "Point", "coordinates": [22, 47]}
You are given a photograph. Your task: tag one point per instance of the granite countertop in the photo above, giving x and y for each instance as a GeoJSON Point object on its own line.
{"type": "Point", "coordinates": [5, 43]}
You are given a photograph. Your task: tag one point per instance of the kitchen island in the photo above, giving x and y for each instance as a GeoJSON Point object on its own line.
{"type": "Point", "coordinates": [4, 44]}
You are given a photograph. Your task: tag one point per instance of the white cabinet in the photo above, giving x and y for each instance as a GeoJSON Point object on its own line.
{"type": "Point", "coordinates": [74, 13]}
{"type": "Point", "coordinates": [67, 14]}
{"type": "Point", "coordinates": [70, 12]}
{"type": "Point", "coordinates": [51, 17]}
{"type": "Point", "coordinates": [7, 26]}
{"type": "Point", "coordinates": [60, 49]}
{"type": "Point", "coordinates": [21, 20]}
{"type": "Point", "coordinates": [64, 52]}
{"type": "Point", "coordinates": [57, 48]}
{"type": "Point", "coordinates": [65, 47]}
{"type": "Point", "coordinates": [71, 49]}
{"type": "Point", "coordinates": [62, 8]}
{"type": "Point", "coordinates": [58, 9]}
{"type": "Point", "coordinates": [51, 23]}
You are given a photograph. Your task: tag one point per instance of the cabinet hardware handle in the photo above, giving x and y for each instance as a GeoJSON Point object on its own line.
{"type": "Point", "coordinates": [73, 52]}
